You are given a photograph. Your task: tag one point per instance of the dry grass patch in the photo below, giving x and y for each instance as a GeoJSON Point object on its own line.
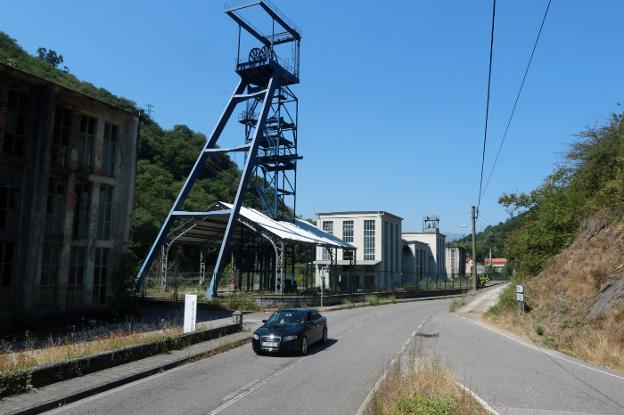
{"type": "Point", "coordinates": [423, 386]}
{"type": "Point", "coordinates": [67, 349]}
{"type": "Point", "coordinates": [561, 298]}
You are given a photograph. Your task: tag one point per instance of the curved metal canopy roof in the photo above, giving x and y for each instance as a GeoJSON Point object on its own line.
{"type": "Point", "coordinates": [199, 230]}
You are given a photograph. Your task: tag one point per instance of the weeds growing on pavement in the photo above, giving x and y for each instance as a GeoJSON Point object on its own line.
{"type": "Point", "coordinates": [380, 300]}
{"type": "Point", "coordinates": [457, 303]}
{"type": "Point", "coordinates": [421, 383]}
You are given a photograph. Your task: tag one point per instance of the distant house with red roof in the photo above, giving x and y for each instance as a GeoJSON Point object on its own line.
{"type": "Point", "coordinates": [497, 263]}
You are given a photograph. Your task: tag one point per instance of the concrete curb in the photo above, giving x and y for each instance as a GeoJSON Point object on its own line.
{"type": "Point", "coordinates": [73, 397]}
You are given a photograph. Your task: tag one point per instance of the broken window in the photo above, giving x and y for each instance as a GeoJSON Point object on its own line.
{"type": "Point", "coordinates": [86, 143]}
{"type": "Point", "coordinates": [6, 263]}
{"type": "Point", "coordinates": [81, 211]}
{"type": "Point", "coordinates": [8, 205]}
{"type": "Point", "coordinates": [100, 276]}
{"type": "Point", "coordinates": [108, 149]}
{"type": "Point", "coordinates": [105, 213]}
{"type": "Point", "coordinates": [49, 272]}
{"type": "Point", "coordinates": [16, 124]}
{"type": "Point", "coordinates": [77, 264]}
{"type": "Point", "coordinates": [60, 138]}
{"type": "Point", "coordinates": [55, 206]}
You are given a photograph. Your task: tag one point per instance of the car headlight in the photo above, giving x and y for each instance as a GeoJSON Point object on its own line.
{"type": "Point", "coordinates": [289, 338]}
{"type": "Point", "coordinates": [255, 336]}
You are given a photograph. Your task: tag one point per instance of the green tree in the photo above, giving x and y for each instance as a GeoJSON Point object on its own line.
{"type": "Point", "coordinates": [49, 56]}
{"type": "Point", "coordinates": [589, 183]}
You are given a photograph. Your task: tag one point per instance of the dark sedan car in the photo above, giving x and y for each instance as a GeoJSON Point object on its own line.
{"type": "Point", "coordinates": [290, 330]}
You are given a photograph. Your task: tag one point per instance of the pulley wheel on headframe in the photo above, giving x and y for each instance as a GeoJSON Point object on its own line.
{"type": "Point", "coordinates": [257, 54]}
{"type": "Point", "coordinates": [269, 52]}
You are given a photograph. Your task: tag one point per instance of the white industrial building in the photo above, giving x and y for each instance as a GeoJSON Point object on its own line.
{"type": "Point", "coordinates": [384, 257]}
{"type": "Point", "coordinates": [455, 262]}
{"type": "Point", "coordinates": [377, 262]}
{"type": "Point", "coordinates": [416, 259]}
{"type": "Point", "coordinates": [435, 264]}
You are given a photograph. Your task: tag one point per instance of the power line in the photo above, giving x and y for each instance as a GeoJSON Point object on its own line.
{"type": "Point", "coordinates": [487, 105]}
{"type": "Point", "coordinates": [513, 110]}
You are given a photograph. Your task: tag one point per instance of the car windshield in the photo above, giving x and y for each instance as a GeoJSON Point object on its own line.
{"type": "Point", "coordinates": [285, 317]}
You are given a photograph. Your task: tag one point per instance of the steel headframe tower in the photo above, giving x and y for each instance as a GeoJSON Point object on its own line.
{"type": "Point", "coordinates": [270, 122]}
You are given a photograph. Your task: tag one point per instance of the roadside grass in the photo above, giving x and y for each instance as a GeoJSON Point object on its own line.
{"type": "Point", "coordinates": [422, 385]}
{"type": "Point", "coordinates": [59, 350]}
{"type": "Point", "coordinates": [506, 302]}
{"type": "Point", "coordinates": [558, 322]}
{"type": "Point", "coordinates": [241, 301]}
{"type": "Point", "coordinates": [457, 303]}
{"type": "Point", "coordinates": [380, 300]}
{"type": "Point", "coordinates": [238, 301]}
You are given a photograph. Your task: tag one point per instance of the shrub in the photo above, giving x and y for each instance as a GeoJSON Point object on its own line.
{"type": "Point", "coordinates": [426, 405]}
{"type": "Point", "coordinates": [539, 329]}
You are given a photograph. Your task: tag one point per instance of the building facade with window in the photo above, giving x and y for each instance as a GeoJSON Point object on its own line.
{"type": "Point", "coordinates": [67, 173]}
{"type": "Point", "coordinates": [417, 257]}
{"type": "Point", "coordinates": [434, 265]}
{"type": "Point", "coordinates": [455, 262]}
{"type": "Point", "coordinates": [377, 261]}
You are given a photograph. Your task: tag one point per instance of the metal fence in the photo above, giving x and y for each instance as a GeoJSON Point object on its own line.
{"type": "Point", "coordinates": [302, 279]}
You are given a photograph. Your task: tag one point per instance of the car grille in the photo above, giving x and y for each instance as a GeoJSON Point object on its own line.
{"type": "Point", "coordinates": [270, 339]}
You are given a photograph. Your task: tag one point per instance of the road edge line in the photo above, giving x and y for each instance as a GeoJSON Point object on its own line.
{"type": "Point", "coordinates": [476, 397]}
{"type": "Point", "coordinates": [384, 375]}
{"type": "Point", "coordinates": [552, 353]}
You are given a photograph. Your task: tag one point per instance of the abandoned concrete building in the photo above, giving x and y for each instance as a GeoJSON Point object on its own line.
{"type": "Point", "coordinates": [67, 173]}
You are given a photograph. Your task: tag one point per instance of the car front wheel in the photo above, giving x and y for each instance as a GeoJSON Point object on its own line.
{"type": "Point", "coordinates": [304, 345]}
{"type": "Point", "coordinates": [324, 339]}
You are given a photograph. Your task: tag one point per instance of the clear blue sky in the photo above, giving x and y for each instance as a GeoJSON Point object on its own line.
{"type": "Point", "coordinates": [392, 93]}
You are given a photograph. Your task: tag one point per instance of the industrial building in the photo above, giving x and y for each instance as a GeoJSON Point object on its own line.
{"type": "Point", "coordinates": [417, 259]}
{"type": "Point", "coordinates": [455, 262]}
{"type": "Point", "coordinates": [384, 257]}
{"type": "Point", "coordinates": [435, 264]}
{"type": "Point", "coordinates": [67, 173]}
{"type": "Point", "coordinates": [376, 262]}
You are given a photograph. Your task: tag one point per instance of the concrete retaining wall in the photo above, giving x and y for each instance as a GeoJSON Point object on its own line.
{"type": "Point", "coordinates": [23, 380]}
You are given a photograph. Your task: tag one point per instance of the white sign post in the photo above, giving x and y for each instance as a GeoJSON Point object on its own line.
{"type": "Point", "coordinates": [190, 312]}
{"type": "Point", "coordinates": [520, 297]}
{"type": "Point", "coordinates": [323, 272]}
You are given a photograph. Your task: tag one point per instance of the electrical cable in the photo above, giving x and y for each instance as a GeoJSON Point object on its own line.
{"type": "Point", "coordinates": [513, 110]}
{"type": "Point", "coordinates": [487, 104]}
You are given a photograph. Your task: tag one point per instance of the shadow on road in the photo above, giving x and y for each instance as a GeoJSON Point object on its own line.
{"type": "Point", "coordinates": [319, 347]}
{"type": "Point", "coordinates": [312, 350]}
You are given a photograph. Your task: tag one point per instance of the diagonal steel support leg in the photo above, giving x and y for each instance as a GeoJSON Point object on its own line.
{"type": "Point", "coordinates": [188, 184]}
{"type": "Point", "coordinates": [238, 201]}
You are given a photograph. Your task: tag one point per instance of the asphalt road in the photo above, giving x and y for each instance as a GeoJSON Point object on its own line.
{"type": "Point", "coordinates": [335, 379]}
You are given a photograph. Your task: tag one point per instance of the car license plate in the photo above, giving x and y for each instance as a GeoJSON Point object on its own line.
{"type": "Point", "coordinates": [269, 344]}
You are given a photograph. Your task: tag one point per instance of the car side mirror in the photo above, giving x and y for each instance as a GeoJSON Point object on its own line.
{"type": "Point", "coordinates": [264, 321]}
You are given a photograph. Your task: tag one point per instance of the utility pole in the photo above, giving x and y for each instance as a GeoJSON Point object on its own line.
{"type": "Point", "coordinates": [475, 286]}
